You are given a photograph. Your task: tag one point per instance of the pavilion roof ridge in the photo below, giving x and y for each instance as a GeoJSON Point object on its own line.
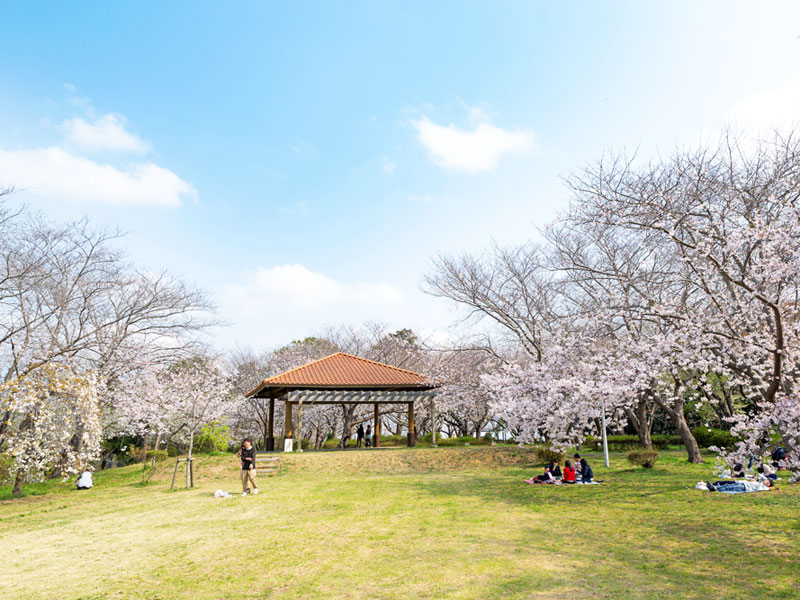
{"type": "Point", "coordinates": [380, 364]}
{"type": "Point", "coordinates": [343, 370]}
{"type": "Point", "coordinates": [293, 369]}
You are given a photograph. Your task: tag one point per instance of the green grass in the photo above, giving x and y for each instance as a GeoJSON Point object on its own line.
{"type": "Point", "coordinates": [397, 523]}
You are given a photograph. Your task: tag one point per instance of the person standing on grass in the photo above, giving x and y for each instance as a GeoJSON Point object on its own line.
{"type": "Point", "coordinates": [368, 436]}
{"type": "Point", "coordinates": [247, 454]}
{"type": "Point", "coordinates": [359, 435]}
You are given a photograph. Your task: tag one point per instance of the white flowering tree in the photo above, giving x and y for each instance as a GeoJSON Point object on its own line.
{"type": "Point", "coordinates": [462, 402]}
{"type": "Point", "coordinates": [52, 423]}
{"type": "Point", "coordinates": [71, 302]}
{"type": "Point", "coordinates": [687, 269]}
{"type": "Point", "coordinates": [175, 401]}
{"type": "Point", "coordinates": [731, 221]}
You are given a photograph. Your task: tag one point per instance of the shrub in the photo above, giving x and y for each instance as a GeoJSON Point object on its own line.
{"type": "Point", "coordinates": [5, 465]}
{"type": "Point", "coordinates": [546, 455]}
{"type": "Point", "coordinates": [644, 458]}
{"type": "Point", "coordinates": [662, 441]}
{"type": "Point", "coordinates": [713, 437]}
{"type": "Point", "coordinates": [214, 436]}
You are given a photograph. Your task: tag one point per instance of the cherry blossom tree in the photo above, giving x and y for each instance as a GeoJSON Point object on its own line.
{"type": "Point", "coordinates": [46, 408]}
{"type": "Point", "coordinates": [177, 400]}
{"type": "Point", "coordinates": [70, 299]}
{"type": "Point", "coordinates": [731, 219]}
{"type": "Point", "coordinates": [683, 275]}
{"type": "Point", "coordinates": [462, 401]}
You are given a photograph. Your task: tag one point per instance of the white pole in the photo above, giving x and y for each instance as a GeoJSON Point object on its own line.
{"type": "Point", "coordinates": [433, 420]}
{"type": "Point", "coordinates": [605, 441]}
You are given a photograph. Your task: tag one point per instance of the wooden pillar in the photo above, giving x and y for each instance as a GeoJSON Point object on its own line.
{"type": "Point", "coordinates": [411, 427]}
{"type": "Point", "coordinates": [300, 425]}
{"type": "Point", "coordinates": [377, 428]}
{"type": "Point", "coordinates": [287, 423]}
{"type": "Point", "coordinates": [270, 441]}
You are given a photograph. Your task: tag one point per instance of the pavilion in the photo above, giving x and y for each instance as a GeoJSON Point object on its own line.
{"type": "Point", "coordinates": [342, 379]}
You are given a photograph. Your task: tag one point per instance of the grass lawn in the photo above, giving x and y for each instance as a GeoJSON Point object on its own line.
{"type": "Point", "coordinates": [398, 523]}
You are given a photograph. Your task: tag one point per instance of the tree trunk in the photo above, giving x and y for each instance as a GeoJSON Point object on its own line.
{"type": "Point", "coordinates": [692, 448]}
{"type": "Point", "coordinates": [17, 491]}
{"type": "Point", "coordinates": [641, 419]}
{"type": "Point", "coordinates": [347, 420]}
{"type": "Point", "coordinates": [189, 459]}
{"type": "Point", "coordinates": [679, 420]}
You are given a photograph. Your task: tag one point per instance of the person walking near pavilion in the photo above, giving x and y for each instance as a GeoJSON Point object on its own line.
{"type": "Point", "coordinates": [247, 454]}
{"type": "Point", "coordinates": [368, 436]}
{"type": "Point", "coordinates": [359, 435]}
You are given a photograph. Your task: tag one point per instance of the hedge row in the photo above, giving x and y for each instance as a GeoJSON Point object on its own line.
{"type": "Point", "coordinates": [623, 443]}
{"type": "Point", "coordinates": [705, 438]}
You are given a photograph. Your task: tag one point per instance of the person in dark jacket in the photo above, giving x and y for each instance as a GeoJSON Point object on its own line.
{"type": "Point", "coordinates": [778, 455]}
{"type": "Point", "coordinates": [586, 472]}
{"type": "Point", "coordinates": [359, 435]}
{"type": "Point", "coordinates": [368, 436]}
{"type": "Point", "coordinates": [555, 470]}
{"type": "Point", "coordinates": [547, 477]}
{"type": "Point", "coordinates": [247, 454]}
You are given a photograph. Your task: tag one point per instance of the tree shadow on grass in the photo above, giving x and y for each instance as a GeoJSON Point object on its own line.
{"type": "Point", "coordinates": [643, 534]}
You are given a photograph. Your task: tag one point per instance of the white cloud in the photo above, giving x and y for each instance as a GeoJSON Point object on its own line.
{"type": "Point", "coordinates": [422, 198]}
{"type": "Point", "coordinates": [388, 166]}
{"type": "Point", "coordinates": [473, 151]}
{"type": "Point", "coordinates": [108, 132]}
{"type": "Point", "coordinates": [57, 173]}
{"type": "Point", "coordinates": [761, 113]}
{"type": "Point", "coordinates": [298, 208]}
{"type": "Point", "coordinates": [301, 146]}
{"type": "Point", "coordinates": [284, 302]}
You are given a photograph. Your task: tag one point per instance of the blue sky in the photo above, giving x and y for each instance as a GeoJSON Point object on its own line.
{"type": "Point", "coordinates": [302, 163]}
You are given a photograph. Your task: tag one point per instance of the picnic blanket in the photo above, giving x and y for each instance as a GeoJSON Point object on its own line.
{"type": "Point", "coordinates": [559, 482]}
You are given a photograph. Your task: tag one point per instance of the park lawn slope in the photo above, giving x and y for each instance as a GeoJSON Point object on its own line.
{"type": "Point", "coordinates": [399, 523]}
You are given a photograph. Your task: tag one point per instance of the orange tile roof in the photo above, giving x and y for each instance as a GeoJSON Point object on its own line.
{"type": "Point", "coordinates": [342, 370]}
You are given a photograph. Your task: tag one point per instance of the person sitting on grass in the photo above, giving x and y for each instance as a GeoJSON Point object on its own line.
{"type": "Point", "coordinates": [738, 487]}
{"type": "Point", "coordinates": [569, 473]}
{"type": "Point", "coordinates": [586, 472]}
{"type": "Point", "coordinates": [546, 477]}
{"type": "Point", "coordinates": [555, 470]}
{"type": "Point", "coordinates": [577, 458]}
{"type": "Point", "coordinates": [766, 472]}
{"type": "Point", "coordinates": [738, 471]}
